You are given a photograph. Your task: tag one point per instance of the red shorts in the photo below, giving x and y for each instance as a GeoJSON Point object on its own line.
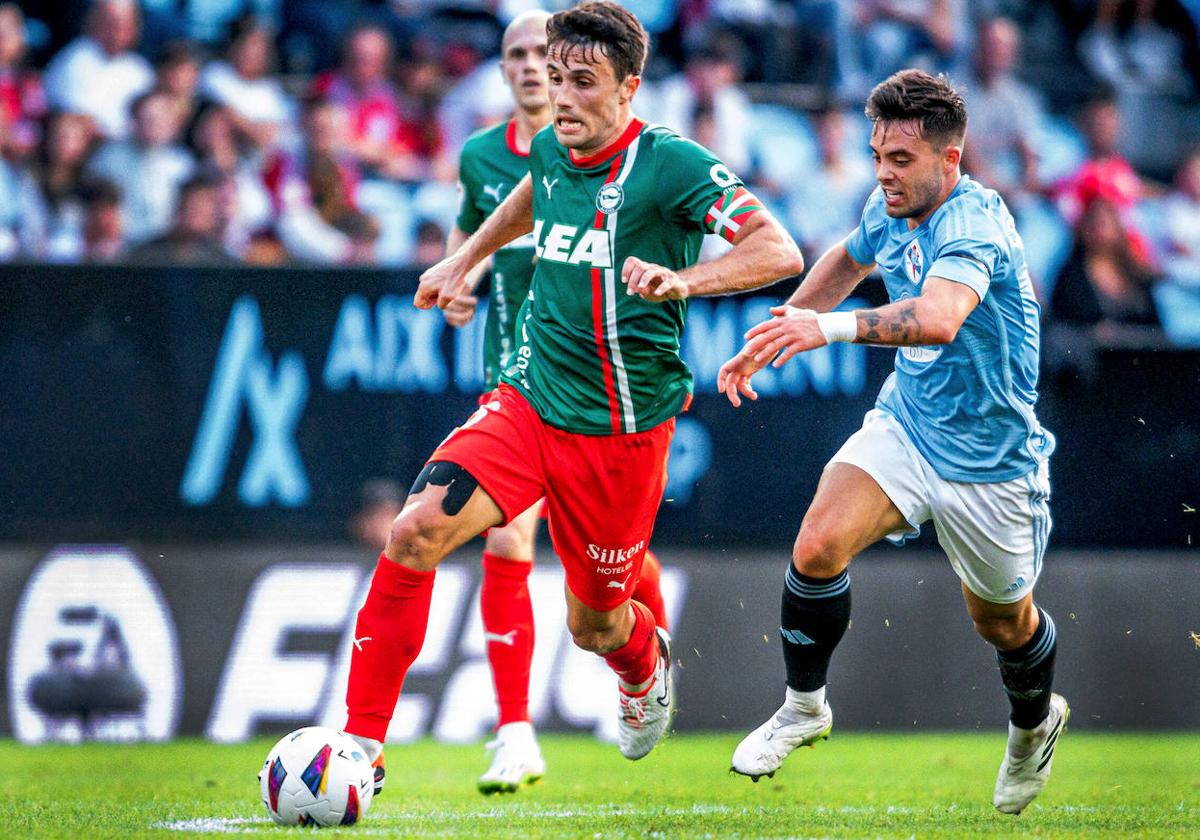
{"type": "Point", "coordinates": [602, 491]}
{"type": "Point", "coordinates": [486, 396]}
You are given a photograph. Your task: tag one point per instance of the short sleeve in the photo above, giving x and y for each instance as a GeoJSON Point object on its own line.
{"type": "Point", "coordinates": [861, 242]}
{"type": "Point", "coordinates": [692, 181]}
{"type": "Point", "coordinates": [470, 217]}
{"type": "Point", "coordinates": [969, 246]}
{"type": "Point", "coordinates": [966, 262]}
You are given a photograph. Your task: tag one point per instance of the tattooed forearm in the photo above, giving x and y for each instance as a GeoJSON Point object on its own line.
{"type": "Point", "coordinates": [893, 325]}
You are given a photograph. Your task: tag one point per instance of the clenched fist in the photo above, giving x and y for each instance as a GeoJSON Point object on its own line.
{"type": "Point", "coordinates": [654, 283]}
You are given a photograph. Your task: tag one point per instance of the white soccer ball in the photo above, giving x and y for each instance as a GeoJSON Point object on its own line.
{"type": "Point", "coordinates": [317, 776]}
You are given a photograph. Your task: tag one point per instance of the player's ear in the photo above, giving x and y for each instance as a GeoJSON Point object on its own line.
{"type": "Point", "coordinates": [952, 155]}
{"type": "Point", "coordinates": [629, 88]}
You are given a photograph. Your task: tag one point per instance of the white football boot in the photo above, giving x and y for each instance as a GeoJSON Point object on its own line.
{"type": "Point", "coordinates": [644, 718]}
{"type": "Point", "coordinates": [374, 751]}
{"type": "Point", "coordinates": [516, 760]}
{"type": "Point", "coordinates": [762, 752]}
{"type": "Point", "coordinates": [1028, 757]}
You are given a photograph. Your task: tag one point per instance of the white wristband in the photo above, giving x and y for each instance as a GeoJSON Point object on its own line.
{"type": "Point", "coordinates": [838, 326]}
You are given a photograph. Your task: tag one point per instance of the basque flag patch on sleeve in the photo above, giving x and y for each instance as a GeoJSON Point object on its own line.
{"type": "Point", "coordinates": [732, 209]}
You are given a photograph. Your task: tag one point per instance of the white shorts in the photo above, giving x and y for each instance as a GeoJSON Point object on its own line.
{"type": "Point", "coordinates": [994, 534]}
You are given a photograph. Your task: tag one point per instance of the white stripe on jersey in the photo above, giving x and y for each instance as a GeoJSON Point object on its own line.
{"type": "Point", "coordinates": [610, 312]}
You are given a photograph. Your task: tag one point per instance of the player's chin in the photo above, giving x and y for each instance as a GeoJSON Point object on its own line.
{"type": "Point", "coordinates": [907, 209]}
{"type": "Point", "coordinates": [531, 96]}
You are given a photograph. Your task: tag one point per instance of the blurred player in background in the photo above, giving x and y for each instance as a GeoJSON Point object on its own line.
{"type": "Point", "coordinates": [493, 162]}
{"type": "Point", "coordinates": [585, 413]}
{"type": "Point", "coordinates": [952, 437]}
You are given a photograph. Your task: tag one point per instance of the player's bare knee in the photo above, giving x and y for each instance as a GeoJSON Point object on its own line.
{"type": "Point", "coordinates": [592, 636]}
{"type": "Point", "coordinates": [418, 536]}
{"type": "Point", "coordinates": [1003, 632]}
{"type": "Point", "coordinates": [818, 552]}
{"type": "Point", "coordinates": [593, 641]}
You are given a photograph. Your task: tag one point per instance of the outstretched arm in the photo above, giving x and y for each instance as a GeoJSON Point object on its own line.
{"type": "Point", "coordinates": [933, 317]}
{"type": "Point", "coordinates": [449, 279]}
{"type": "Point", "coordinates": [830, 281]}
{"type": "Point", "coordinates": [763, 252]}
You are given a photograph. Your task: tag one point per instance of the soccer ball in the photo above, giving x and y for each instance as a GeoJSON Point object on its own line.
{"type": "Point", "coordinates": [316, 776]}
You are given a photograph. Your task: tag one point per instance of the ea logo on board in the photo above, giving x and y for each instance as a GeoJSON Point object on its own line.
{"type": "Point", "coordinates": [914, 262]}
{"type": "Point", "coordinates": [93, 654]}
{"type": "Point", "coordinates": [610, 198]}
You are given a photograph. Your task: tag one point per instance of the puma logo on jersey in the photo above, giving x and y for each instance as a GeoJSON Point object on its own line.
{"type": "Point", "coordinates": [549, 185]}
{"type": "Point", "coordinates": [509, 638]}
{"type": "Point", "coordinates": [619, 584]}
{"type": "Point", "coordinates": [568, 244]}
{"type": "Point", "coordinates": [494, 192]}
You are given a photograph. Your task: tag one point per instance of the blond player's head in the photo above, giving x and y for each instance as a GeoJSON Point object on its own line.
{"type": "Point", "coordinates": [523, 60]}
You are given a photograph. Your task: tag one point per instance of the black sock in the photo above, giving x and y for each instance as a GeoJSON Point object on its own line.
{"type": "Point", "coordinates": [812, 619]}
{"type": "Point", "coordinates": [1028, 672]}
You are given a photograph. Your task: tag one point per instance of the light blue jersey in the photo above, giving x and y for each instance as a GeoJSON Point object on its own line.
{"type": "Point", "coordinates": [967, 405]}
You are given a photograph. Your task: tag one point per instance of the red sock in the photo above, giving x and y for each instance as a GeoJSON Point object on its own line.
{"type": "Point", "coordinates": [648, 590]}
{"type": "Point", "coordinates": [635, 662]}
{"type": "Point", "coordinates": [508, 621]}
{"type": "Point", "coordinates": [388, 636]}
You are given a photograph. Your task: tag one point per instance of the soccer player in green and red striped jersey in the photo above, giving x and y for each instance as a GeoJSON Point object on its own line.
{"type": "Point", "coordinates": [585, 411]}
{"type": "Point", "coordinates": [493, 161]}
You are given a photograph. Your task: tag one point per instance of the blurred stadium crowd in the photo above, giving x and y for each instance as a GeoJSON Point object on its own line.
{"type": "Point", "coordinates": [326, 132]}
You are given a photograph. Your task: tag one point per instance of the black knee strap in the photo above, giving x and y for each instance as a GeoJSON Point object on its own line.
{"type": "Point", "coordinates": [459, 484]}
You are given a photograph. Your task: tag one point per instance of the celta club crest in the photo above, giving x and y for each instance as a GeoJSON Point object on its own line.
{"type": "Point", "coordinates": [914, 262]}
{"type": "Point", "coordinates": [610, 198]}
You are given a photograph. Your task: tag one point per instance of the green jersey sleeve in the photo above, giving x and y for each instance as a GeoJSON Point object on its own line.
{"type": "Point", "coordinates": [695, 183]}
{"type": "Point", "coordinates": [470, 214]}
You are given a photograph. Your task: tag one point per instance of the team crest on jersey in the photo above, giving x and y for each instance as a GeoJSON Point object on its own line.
{"type": "Point", "coordinates": [610, 198]}
{"type": "Point", "coordinates": [914, 262]}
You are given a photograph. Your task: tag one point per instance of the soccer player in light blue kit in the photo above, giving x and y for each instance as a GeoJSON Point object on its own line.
{"type": "Point", "coordinates": [953, 436]}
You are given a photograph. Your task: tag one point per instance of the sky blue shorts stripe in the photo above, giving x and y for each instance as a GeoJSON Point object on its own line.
{"type": "Point", "coordinates": [1033, 517]}
{"type": "Point", "coordinates": [1039, 512]}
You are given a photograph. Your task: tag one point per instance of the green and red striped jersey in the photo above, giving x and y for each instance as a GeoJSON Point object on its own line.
{"type": "Point", "coordinates": [489, 167]}
{"type": "Point", "coordinates": [590, 358]}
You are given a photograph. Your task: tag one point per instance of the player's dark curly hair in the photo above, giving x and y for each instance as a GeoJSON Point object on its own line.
{"type": "Point", "coordinates": [930, 100]}
{"type": "Point", "coordinates": [614, 30]}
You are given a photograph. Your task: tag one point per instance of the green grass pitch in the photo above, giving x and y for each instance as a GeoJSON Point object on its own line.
{"type": "Point", "coordinates": [854, 785]}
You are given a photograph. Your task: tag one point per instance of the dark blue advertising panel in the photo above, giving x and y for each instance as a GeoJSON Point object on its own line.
{"type": "Point", "coordinates": [152, 640]}
{"type": "Point", "coordinates": [229, 403]}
